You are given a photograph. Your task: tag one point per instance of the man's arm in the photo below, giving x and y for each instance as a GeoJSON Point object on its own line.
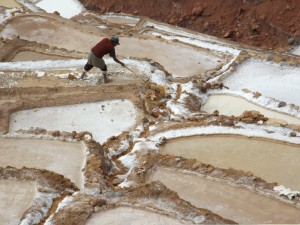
{"type": "Point", "coordinates": [118, 61]}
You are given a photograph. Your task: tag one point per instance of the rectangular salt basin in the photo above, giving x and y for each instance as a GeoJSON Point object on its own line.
{"type": "Point", "coordinates": [15, 198]}
{"type": "Point", "coordinates": [273, 80]}
{"type": "Point", "coordinates": [121, 19]}
{"type": "Point", "coordinates": [188, 61]}
{"type": "Point", "coordinates": [10, 3]}
{"type": "Point", "coordinates": [297, 51]}
{"type": "Point", "coordinates": [127, 215]}
{"type": "Point", "coordinates": [66, 8]}
{"type": "Point", "coordinates": [102, 119]}
{"type": "Point", "coordinates": [32, 28]}
{"type": "Point", "coordinates": [60, 157]}
{"type": "Point", "coordinates": [265, 158]}
{"type": "Point", "coordinates": [233, 105]}
{"type": "Point", "coordinates": [231, 202]}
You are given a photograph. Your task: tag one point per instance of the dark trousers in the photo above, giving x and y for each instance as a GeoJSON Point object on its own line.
{"type": "Point", "coordinates": [88, 67]}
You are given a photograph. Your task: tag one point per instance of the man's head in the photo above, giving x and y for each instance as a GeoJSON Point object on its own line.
{"type": "Point", "coordinates": [115, 41]}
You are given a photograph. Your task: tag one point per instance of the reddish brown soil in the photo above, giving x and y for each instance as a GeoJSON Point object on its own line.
{"type": "Point", "coordinates": [263, 23]}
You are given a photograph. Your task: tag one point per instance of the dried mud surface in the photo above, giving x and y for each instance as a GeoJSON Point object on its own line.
{"type": "Point", "coordinates": [266, 24]}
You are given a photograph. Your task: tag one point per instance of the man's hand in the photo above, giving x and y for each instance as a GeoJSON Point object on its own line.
{"type": "Point", "coordinates": [118, 61]}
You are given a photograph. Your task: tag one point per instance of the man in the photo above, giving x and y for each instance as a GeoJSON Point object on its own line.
{"type": "Point", "coordinates": [105, 46]}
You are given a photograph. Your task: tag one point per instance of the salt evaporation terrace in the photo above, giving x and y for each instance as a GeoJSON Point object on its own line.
{"type": "Point", "coordinates": [155, 49]}
{"type": "Point", "coordinates": [297, 51]}
{"type": "Point", "coordinates": [235, 105]}
{"type": "Point", "coordinates": [67, 8]}
{"type": "Point", "coordinates": [131, 216]}
{"type": "Point", "coordinates": [10, 3]}
{"type": "Point", "coordinates": [265, 158]}
{"type": "Point", "coordinates": [108, 139]}
{"type": "Point", "coordinates": [15, 198]}
{"type": "Point", "coordinates": [44, 154]}
{"type": "Point", "coordinates": [101, 119]}
{"type": "Point", "coordinates": [267, 78]}
{"type": "Point", "coordinates": [120, 19]}
{"type": "Point", "coordinates": [226, 200]}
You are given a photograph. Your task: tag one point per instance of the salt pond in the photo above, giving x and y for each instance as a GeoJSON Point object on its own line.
{"type": "Point", "coordinates": [195, 61]}
{"type": "Point", "coordinates": [281, 82]}
{"type": "Point", "coordinates": [266, 159]}
{"type": "Point", "coordinates": [133, 216]}
{"type": "Point", "coordinates": [66, 8]}
{"type": "Point", "coordinates": [297, 51]}
{"type": "Point", "coordinates": [10, 3]}
{"type": "Point", "coordinates": [233, 105]}
{"type": "Point", "coordinates": [120, 19]}
{"type": "Point", "coordinates": [54, 33]}
{"type": "Point", "coordinates": [15, 198]}
{"type": "Point", "coordinates": [235, 203]}
{"type": "Point", "coordinates": [102, 119]}
{"type": "Point", "coordinates": [51, 32]}
{"type": "Point", "coordinates": [60, 157]}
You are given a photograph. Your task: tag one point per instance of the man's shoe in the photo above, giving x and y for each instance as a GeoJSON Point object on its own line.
{"type": "Point", "coordinates": [106, 80]}
{"type": "Point", "coordinates": [82, 75]}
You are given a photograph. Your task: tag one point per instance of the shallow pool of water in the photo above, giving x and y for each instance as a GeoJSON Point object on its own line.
{"type": "Point", "coordinates": [269, 160]}
{"type": "Point", "coordinates": [61, 157]}
{"type": "Point", "coordinates": [238, 204]}
{"type": "Point", "coordinates": [232, 105]}
{"type": "Point", "coordinates": [51, 32]}
{"type": "Point", "coordinates": [121, 20]}
{"type": "Point", "coordinates": [15, 198]}
{"type": "Point", "coordinates": [187, 61]}
{"type": "Point", "coordinates": [133, 216]}
{"type": "Point", "coordinates": [297, 51]}
{"type": "Point", "coordinates": [10, 3]}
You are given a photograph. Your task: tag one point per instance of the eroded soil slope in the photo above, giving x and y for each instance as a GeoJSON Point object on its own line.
{"type": "Point", "coordinates": [263, 23]}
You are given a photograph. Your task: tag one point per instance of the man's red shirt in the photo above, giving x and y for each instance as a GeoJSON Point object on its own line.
{"type": "Point", "coordinates": [105, 46]}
